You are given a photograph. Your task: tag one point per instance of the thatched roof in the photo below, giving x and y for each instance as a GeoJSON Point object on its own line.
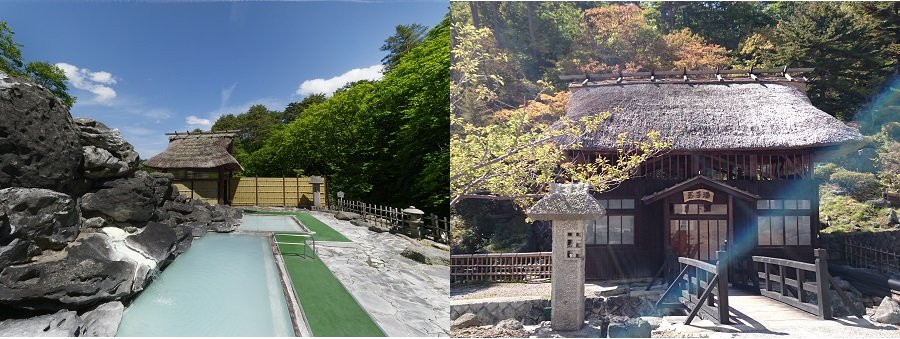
{"type": "Point", "coordinates": [199, 151]}
{"type": "Point", "coordinates": [709, 115]}
{"type": "Point", "coordinates": [567, 202]}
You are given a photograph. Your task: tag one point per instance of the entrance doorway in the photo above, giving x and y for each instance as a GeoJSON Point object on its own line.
{"type": "Point", "coordinates": [698, 229]}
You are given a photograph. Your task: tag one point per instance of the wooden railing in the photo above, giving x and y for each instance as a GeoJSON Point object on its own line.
{"type": "Point", "coordinates": [795, 283]}
{"type": "Point", "coordinates": [704, 288]}
{"type": "Point", "coordinates": [433, 227]}
{"type": "Point", "coordinates": [508, 267]}
{"type": "Point", "coordinates": [858, 255]}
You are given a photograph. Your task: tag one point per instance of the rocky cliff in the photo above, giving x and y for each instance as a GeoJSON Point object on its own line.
{"type": "Point", "coordinates": [82, 229]}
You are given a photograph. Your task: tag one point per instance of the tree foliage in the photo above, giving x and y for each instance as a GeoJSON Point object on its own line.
{"type": "Point", "coordinates": [383, 142]}
{"type": "Point", "coordinates": [404, 40]}
{"type": "Point", "coordinates": [517, 152]}
{"type": "Point", "coordinates": [45, 74]}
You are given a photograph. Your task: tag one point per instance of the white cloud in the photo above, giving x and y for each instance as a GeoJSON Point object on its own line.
{"type": "Point", "coordinates": [195, 122]}
{"type": "Point", "coordinates": [328, 86]}
{"type": "Point", "coordinates": [226, 95]}
{"type": "Point", "coordinates": [94, 82]}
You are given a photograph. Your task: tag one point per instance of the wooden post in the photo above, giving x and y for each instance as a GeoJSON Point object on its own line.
{"type": "Point", "coordinates": [822, 284]}
{"type": "Point", "coordinates": [782, 287]}
{"type": "Point", "coordinates": [283, 193]}
{"type": "Point", "coordinates": [256, 189]}
{"type": "Point", "coordinates": [722, 274]}
{"type": "Point", "coordinates": [799, 285]}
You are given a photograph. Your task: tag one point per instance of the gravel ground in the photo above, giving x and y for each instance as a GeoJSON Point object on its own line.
{"type": "Point", "coordinates": [842, 327]}
{"type": "Point", "coordinates": [501, 290]}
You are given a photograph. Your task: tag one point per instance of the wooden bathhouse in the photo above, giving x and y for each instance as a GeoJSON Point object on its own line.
{"type": "Point", "coordinates": [202, 163]}
{"type": "Point", "coordinates": [740, 168]}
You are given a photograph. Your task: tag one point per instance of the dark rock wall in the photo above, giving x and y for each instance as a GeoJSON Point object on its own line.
{"type": "Point", "coordinates": [39, 145]}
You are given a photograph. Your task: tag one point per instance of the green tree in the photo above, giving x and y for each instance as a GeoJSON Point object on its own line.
{"type": "Point", "coordinates": [850, 54]}
{"type": "Point", "coordinates": [294, 109]}
{"type": "Point", "coordinates": [405, 38]}
{"type": "Point", "coordinates": [43, 73]}
{"type": "Point", "coordinates": [725, 23]}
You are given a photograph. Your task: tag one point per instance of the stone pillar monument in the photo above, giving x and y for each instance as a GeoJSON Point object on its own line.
{"type": "Point", "coordinates": [568, 207]}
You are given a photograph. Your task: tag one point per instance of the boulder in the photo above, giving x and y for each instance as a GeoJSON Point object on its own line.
{"type": "Point", "coordinates": [184, 237]}
{"type": "Point", "coordinates": [161, 183]}
{"type": "Point", "coordinates": [16, 252]}
{"type": "Point", "coordinates": [39, 145]}
{"type": "Point", "coordinates": [888, 312]}
{"type": "Point", "coordinates": [621, 327]}
{"type": "Point", "coordinates": [612, 291]}
{"type": "Point", "coordinates": [42, 217]}
{"type": "Point", "coordinates": [892, 217]}
{"type": "Point", "coordinates": [122, 200]}
{"type": "Point", "coordinates": [426, 255]}
{"type": "Point", "coordinates": [102, 321]}
{"type": "Point", "coordinates": [95, 222]}
{"type": "Point", "coordinates": [342, 215]}
{"type": "Point", "coordinates": [222, 227]}
{"type": "Point", "coordinates": [60, 324]}
{"type": "Point", "coordinates": [510, 324]}
{"type": "Point", "coordinates": [106, 153]}
{"type": "Point", "coordinates": [88, 272]}
{"type": "Point", "coordinates": [100, 164]}
{"type": "Point", "coordinates": [465, 320]}
{"type": "Point", "coordinates": [157, 241]}
{"type": "Point", "coordinates": [198, 229]}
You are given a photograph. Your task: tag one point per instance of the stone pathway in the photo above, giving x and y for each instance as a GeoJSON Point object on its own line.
{"type": "Point", "coordinates": [404, 297]}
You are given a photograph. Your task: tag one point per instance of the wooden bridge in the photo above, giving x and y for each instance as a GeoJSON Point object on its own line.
{"type": "Point", "coordinates": [788, 290]}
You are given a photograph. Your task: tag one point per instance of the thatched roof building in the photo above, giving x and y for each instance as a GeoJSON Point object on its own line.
{"type": "Point", "coordinates": [709, 115]}
{"type": "Point", "coordinates": [197, 151]}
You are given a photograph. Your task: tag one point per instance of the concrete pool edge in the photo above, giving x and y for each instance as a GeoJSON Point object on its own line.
{"type": "Point", "coordinates": [298, 317]}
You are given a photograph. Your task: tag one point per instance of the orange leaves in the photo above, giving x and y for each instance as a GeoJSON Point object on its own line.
{"type": "Point", "coordinates": [684, 49]}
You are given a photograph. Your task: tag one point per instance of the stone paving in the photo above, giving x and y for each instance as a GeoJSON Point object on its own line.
{"type": "Point", "coordinates": [404, 297]}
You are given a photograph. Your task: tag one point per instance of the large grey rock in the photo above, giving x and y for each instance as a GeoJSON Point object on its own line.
{"type": "Point", "coordinates": [621, 327]}
{"type": "Point", "coordinates": [87, 272]}
{"type": "Point", "coordinates": [161, 183]}
{"type": "Point", "coordinates": [888, 312]}
{"type": "Point", "coordinates": [100, 163]}
{"type": "Point", "coordinates": [510, 324]}
{"type": "Point", "coordinates": [16, 252]}
{"type": "Point", "coordinates": [342, 215]}
{"type": "Point", "coordinates": [60, 324]}
{"type": "Point", "coordinates": [222, 227]}
{"type": "Point", "coordinates": [44, 218]}
{"type": "Point", "coordinates": [102, 321]}
{"type": "Point", "coordinates": [106, 153]}
{"type": "Point", "coordinates": [157, 241]}
{"type": "Point", "coordinates": [39, 146]}
{"type": "Point", "coordinates": [122, 200]}
{"type": "Point", "coordinates": [465, 320]}
{"type": "Point", "coordinates": [612, 291]}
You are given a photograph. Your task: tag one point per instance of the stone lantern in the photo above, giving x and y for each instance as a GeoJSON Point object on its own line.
{"type": "Point", "coordinates": [340, 195]}
{"type": "Point", "coordinates": [316, 182]}
{"type": "Point", "coordinates": [568, 207]}
{"type": "Point", "coordinates": [415, 221]}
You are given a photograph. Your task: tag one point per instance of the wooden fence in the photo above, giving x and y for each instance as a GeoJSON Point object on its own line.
{"type": "Point", "coordinates": [256, 191]}
{"type": "Point", "coordinates": [500, 267]}
{"type": "Point", "coordinates": [858, 255]}
{"type": "Point", "coordinates": [434, 227]}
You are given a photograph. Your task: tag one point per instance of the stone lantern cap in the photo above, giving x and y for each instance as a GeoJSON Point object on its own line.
{"type": "Point", "coordinates": [567, 202]}
{"type": "Point", "coordinates": [413, 210]}
{"type": "Point", "coordinates": [316, 180]}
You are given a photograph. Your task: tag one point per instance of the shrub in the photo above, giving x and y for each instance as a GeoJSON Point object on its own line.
{"type": "Point", "coordinates": [861, 186]}
{"type": "Point", "coordinates": [823, 171]}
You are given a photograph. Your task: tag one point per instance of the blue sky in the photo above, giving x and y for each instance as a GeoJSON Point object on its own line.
{"type": "Point", "coordinates": [148, 68]}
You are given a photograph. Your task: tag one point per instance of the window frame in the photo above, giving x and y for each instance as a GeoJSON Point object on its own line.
{"type": "Point", "coordinates": [782, 213]}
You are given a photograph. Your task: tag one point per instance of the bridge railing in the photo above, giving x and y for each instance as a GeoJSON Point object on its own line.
{"type": "Point", "coordinates": [704, 288]}
{"type": "Point", "coordinates": [798, 283]}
